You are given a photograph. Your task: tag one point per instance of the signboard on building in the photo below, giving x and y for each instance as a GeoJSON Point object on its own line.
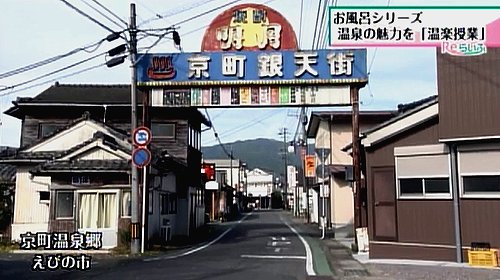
{"type": "Point", "coordinates": [456, 30]}
{"type": "Point", "coordinates": [250, 58]}
{"type": "Point", "coordinates": [310, 166]}
{"type": "Point", "coordinates": [319, 67]}
{"type": "Point", "coordinates": [249, 27]}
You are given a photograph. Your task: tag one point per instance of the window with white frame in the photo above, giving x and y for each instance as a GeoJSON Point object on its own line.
{"type": "Point", "coordinates": [479, 172]}
{"type": "Point", "coordinates": [44, 197]}
{"type": "Point", "coordinates": [422, 176]}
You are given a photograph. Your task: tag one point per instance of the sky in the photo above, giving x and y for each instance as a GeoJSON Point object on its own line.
{"type": "Point", "coordinates": [34, 30]}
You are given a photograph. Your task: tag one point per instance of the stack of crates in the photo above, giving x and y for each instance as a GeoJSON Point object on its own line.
{"type": "Point", "coordinates": [481, 254]}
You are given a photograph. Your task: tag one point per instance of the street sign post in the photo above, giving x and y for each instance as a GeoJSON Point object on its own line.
{"type": "Point", "coordinates": [141, 157]}
{"type": "Point", "coordinates": [322, 153]}
{"type": "Point", "coordinates": [142, 136]}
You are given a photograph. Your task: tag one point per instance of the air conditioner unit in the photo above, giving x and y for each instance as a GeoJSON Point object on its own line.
{"type": "Point", "coordinates": [165, 233]}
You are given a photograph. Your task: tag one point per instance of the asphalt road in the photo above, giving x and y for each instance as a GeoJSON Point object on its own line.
{"type": "Point", "coordinates": [261, 246]}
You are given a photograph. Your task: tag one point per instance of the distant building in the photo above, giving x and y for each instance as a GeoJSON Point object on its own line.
{"type": "Point", "coordinates": [261, 185]}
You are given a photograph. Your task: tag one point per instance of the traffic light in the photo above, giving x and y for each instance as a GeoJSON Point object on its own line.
{"type": "Point", "coordinates": [209, 170]}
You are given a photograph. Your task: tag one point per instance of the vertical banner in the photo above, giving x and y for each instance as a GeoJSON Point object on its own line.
{"type": "Point", "coordinates": [310, 165]}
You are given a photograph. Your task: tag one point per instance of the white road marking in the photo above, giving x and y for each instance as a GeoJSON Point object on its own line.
{"type": "Point", "coordinates": [273, 257]}
{"type": "Point", "coordinates": [278, 243]}
{"type": "Point", "coordinates": [282, 238]}
{"type": "Point", "coordinates": [199, 248]}
{"type": "Point", "coordinates": [309, 259]}
{"type": "Point", "coordinates": [277, 250]}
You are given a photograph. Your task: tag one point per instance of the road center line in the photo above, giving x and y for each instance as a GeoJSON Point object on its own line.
{"type": "Point", "coordinates": [189, 252]}
{"type": "Point", "coordinates": [273, 257]}
{"type": "Point", "coordinates": [309, 260]}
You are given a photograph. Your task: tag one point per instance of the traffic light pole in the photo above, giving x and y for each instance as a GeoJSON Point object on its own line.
{"type": "Point", "coordinates": [134, 227]}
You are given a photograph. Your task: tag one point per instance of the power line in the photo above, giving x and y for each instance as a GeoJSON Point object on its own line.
{"type": "Point", "coordinates": [217, 136]}
{"type": "Point", "coordinates": [87, 16]}
{"type": "Point", "coordinates": [316, 24]}
{"type": "Point", "coordinates": [153, 12]}
{"type": "Point", "coordinates": [301, 22]}
{"type": "Point", "coordinates": [52, 73]}
{"type": "Point", "coordinates": [246, 125]}
{"type": "Point", "coordinates": [47, 61]}
{"type": "Point", "coordinates": [102, 14]}
{"type": "Point", "coordinates": [322, 25]}
{"type": "Point", "coordinates": [55, 79]}
{"type": "Point", "coordinates": [205, 26]}
{"type": "Point", "coordinates": [177, 11]}
{"type": "Point", "coordinates": [109, 11]}
{"type": "Point", "coordinates": [208, 12]}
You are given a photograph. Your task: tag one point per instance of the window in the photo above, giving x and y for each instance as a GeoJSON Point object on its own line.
{"type": "Point", "coordinates": [424, 187]}
{"type": "Point", "coordinates": [150, 206]}
{"type": "Point", "coordinates": [481, 184]}
{"type": "Point", "coordinates": [172, 203]}
{"type": "Point", "coordinates": [80, 180]}
{"type": "Point", "coordinates": [164, 204]}
{"type": "Point", "coordinates": [44, 197]}
{"type": "Point", "coordinates": [44, 129]}
{"type": "Point", "coordinates": [126, 204]}
{"type": "Point", "coordinates": [221, 176]}
{"type": "Point", "coordinates": [64, 204]}
{"type": "Point", "coordinates": [164, 130]}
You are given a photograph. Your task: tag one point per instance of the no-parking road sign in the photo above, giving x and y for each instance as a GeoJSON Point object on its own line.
{"type": "Point", "coordinates": [142, 136]}
{"type": "Point", "coordinates": [141, 157]}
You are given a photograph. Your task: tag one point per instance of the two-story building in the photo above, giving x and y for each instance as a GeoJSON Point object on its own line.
{"type": "Point", "coordinates": [73, 164]}
{"type": "Point", "coordinates": [333, 130]}
{"type": "Point", "coordinates": [260, 186]}
{"type": "Point", "coordinates": [433, 171]}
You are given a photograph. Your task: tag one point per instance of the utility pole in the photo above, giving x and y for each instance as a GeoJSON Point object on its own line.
{"type": "Point", "coordinates": [303, 144]}
{"type": "Point", "coordinates": [135, 238]}
{"type": "Point", "coordinates": [231, 174]}
{"type": "Point", "coordinates": [285, 150]}
{"type": "Point", "coordinates": [355, 159]}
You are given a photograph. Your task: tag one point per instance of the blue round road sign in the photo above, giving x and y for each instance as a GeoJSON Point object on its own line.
{"type": "Point", "coordinates": [142, 136]}
{"type": "Point", "coordinates": [141, 157]}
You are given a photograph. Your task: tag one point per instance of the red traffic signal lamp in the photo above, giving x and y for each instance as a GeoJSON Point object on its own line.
{"type": "Point", "coordinates": [209, 170]}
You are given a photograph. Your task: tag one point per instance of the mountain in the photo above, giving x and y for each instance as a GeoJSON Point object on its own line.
{"type": "Point", "coordinates": [261, 153]}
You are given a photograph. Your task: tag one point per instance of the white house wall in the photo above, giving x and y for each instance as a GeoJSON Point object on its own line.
{"type": "Point", "coordinates": [343, 213]}
{"type": "Point", "coordinates": [71, 137]}
{"type": "Point", "coordinates": [99, 154]}
{"type": "Point", "coordinates": [29, 213]}
{"type": "Point", "coordinates": [164, 183]}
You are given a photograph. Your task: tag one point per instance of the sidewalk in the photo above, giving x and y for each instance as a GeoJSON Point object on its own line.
{"type": "Point", "coordinates": [339, 257]}
{"type": "Point", "coordinates": [345, 265]}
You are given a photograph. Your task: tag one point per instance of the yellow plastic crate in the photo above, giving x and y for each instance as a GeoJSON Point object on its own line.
{"type": "Point", "coordinates": [486, 258]}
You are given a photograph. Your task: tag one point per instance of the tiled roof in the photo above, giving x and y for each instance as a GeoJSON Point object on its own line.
{"type": "Point", "coordinates": [7, 173]}
{"type": "Point", "coordinates": [94, 94]}
{"type": "Point", "coordinates": [85, 93]}
{"type": "Point", "coordinates": [82, 165]}
{"type": "Point", "coordinates": [408, 106]}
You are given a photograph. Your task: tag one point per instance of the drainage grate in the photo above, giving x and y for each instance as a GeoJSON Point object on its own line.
{"type": "Point", "coordinates": [356, 272]}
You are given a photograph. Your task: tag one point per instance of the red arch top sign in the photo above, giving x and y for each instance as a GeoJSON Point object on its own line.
{"type": "Point", "coordinates": [249, 27]}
